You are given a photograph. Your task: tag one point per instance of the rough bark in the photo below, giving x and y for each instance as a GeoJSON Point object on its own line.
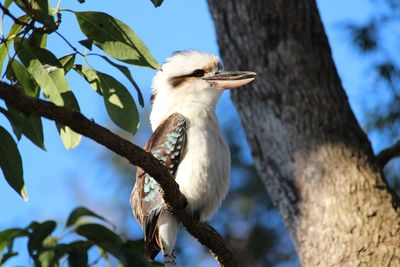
{"type": "Point", "coordinates": [315, 160]}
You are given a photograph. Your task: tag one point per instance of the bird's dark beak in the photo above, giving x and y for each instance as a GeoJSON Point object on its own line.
{"type": "Point", "coordinates": [231, 79]}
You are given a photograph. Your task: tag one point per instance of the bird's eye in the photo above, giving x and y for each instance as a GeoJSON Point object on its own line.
{"type": "Point", "coordinates": [198, 73]}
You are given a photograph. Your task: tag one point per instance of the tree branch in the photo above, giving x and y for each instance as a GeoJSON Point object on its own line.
{"type": "Point", "coordinates": [175, 201]}
{"type": "Point", "coordinates": [388, 154]}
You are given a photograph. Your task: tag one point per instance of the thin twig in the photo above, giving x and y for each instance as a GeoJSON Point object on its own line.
{"type": "Point", "coordinates": [58, 6]}
{"type": "Point", "coordinates": [175, 201]}
{"type": "Point", "coordinates": [15, 54]}
{"type": "Point", "coordinates": [388, 154]}
{"type": "Point", "coordinates": [93, 263]}
{"type": "Point", "coordinates": [8, 13]}
{"type": "Point", "coordinates": [69, 44]}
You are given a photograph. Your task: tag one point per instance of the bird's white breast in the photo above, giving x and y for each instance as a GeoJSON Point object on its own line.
{"type": "Point", "coordinates": [203, 175]}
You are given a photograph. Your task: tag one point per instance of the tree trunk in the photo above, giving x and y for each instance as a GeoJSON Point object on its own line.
{"type": "Point", "coordinates": [315, 160]}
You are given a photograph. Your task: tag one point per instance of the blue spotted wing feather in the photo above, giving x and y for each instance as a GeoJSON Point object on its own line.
{"type": "Point", "coordinates": [167, 144]}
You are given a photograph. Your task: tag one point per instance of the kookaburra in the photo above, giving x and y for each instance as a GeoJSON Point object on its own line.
{"type": "Point", "coordinates": [187, 139]}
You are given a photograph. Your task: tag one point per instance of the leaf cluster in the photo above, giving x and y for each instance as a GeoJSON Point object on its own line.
{"type": "Point", "coordinates": [36, 71]}
{"type": "Point", "coordinates": [47, 249]}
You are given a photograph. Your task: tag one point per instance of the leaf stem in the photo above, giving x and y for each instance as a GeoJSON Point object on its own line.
{"type": "Point", "coordinates": [8, 13]}
{"type": "Point", "coordinates": [58, 6]}
{"type": "Point", "coordinates": [15, 54]}
{"type": "Point", "coordinates": [69, 44]}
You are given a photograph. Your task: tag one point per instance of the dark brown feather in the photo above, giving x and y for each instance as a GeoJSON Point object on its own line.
{"type": "Point", "coordinates": [177, 81]}
{"type": "Point", "coordinates": [167, 144]}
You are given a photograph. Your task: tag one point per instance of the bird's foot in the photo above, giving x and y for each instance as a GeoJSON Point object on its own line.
{"type": "Point", "coordinates": [170, 259]}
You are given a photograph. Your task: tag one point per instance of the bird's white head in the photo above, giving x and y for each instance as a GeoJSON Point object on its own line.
{"type": "Point", "coordinates": [190, 79]}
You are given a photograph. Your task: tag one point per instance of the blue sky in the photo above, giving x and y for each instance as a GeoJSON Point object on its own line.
{"type": "Point", "coordinates": [59, 180]}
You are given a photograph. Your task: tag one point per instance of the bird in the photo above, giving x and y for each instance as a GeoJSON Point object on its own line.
{"type": "Point", "coordinates": [187, 139]}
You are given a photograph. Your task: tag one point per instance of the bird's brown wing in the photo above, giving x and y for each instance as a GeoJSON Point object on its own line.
{"type": "Point", "coordinates": [167, 144]}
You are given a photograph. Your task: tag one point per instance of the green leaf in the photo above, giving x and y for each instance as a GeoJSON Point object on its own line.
{"type": "Point", "coordinates": [41, 9]}
{"type": "Point", "coordinates": [119, 103]}
{"type": "Point", "coordinates": [31, 126]}
{"type": "Point", "coordinates": [77, 213]}
{"type": "Point", "coordinates": [115, 38]}
{"type": "Point", "coordinates": [127, 74]}
{"type": "Point", "coordinates": [67, 62]}
{"type": "Point", "coordinates": [15, 29]}
{"type": "Point", "coordinates": [24, 78]}
{"type": "Point", "coordinates": [3, 54]}
{"type": "Point", "coordinates": [49, 74]}
{"type": "Point", "coordinates": [17, 129]}
{"type": "Point", "coordinates": [62, 249]}
{"type": "Point", "coordinates": [11, 163]}
{"type": "Point", "coordinates": [104, 254]}
{"type": "Point", "coordinates": [6, 237]}
{"type": "Point", "coordinates": [87, 43]}
{"type": "Point", "coordinates": [39, 39]}
{"type": "Point", "coordinates": [157, 3]}
{"type": "Point", "coordinates": [103, 237]}
{"type": "Point", "coordinates": [47, 256]}
{"type": "Point", "coordinates": [134, 251]}
{"type": "Point", "coordinates": [7, 3]}
{"type": "Point", "coordinates": [107, 240]}
{"type": "Point", "coordinates": [77, 258]}
{"type": "Point", "coordinates": [7, 256]}
{"type": "Point", "coordinates": [69, 138]}
{"type": "Point", "coordinates": [40, 231]}
{"type": "Point", "coordinates": [100, 235]}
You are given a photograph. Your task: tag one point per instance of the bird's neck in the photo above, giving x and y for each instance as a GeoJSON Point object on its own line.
{"type": "Point", "coordinates": [196, 109]}
{"type": "Point", "coordinates": [194, 112]}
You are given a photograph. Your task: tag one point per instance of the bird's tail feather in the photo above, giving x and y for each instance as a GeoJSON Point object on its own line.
{"type": "Point", "coordinates": [152, 244]}
{"type": "Point", "coordinates": [151, 250]}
